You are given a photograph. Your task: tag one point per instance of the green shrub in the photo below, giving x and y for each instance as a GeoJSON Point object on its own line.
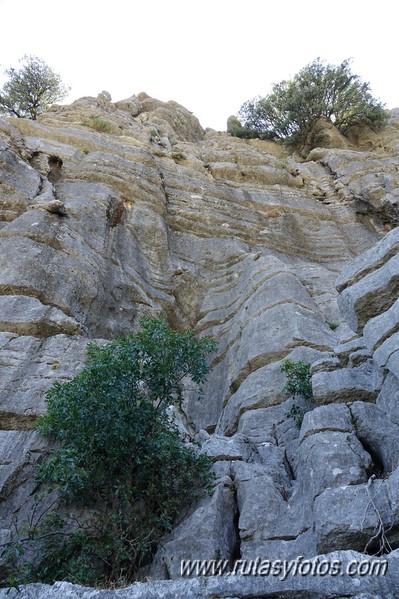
{"type": "Point", "coordinates": [120, 466]}
{"type": "Point", "coordinates": [298, 378]}
{"type": "Point", "coordinates": [292, 109]}
{"type": "Point", "coordinates": [235, 128]}
{"type": "Point", "coordinates": [298, 383]}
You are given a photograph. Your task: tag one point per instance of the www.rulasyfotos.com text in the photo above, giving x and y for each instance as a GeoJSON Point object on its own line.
{"type": "Point", "coordinates": [284, 568]}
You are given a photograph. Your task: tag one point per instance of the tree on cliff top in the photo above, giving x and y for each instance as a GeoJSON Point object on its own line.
{"type": "Point", "coordinates": [319, 90]}
{"type": "Point", "coordinates": [31, 89]}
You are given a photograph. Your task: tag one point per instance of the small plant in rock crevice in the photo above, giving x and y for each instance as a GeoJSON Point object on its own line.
{"type": "Point", "coordinates": [298, 384]}
{"type": "Point", "coordinates": [98, 124]}
{"type": "Point", "coordinates": [298, 378]}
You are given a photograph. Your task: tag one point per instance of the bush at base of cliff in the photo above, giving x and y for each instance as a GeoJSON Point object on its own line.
{"type": "Point", "coordinates": [121, 468]}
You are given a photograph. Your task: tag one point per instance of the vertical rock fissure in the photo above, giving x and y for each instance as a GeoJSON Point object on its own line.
{"type": "Point", "coordinates": [236, 553]}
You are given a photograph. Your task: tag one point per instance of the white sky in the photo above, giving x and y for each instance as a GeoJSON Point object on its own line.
{"type": "Point", "coordinates": [209, 55]}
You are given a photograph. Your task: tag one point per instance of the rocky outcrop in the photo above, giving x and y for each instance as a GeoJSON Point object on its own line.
{"type": "Point", "coordinates": [115, 210]}
{"type": "Point", "coordinates": [370, 391]}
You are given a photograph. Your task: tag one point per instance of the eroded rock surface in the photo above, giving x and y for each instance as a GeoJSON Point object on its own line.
{"type": "Point", "coordinates": [110, 211]}
{"type": "Point", "coordinates": [367, 509]}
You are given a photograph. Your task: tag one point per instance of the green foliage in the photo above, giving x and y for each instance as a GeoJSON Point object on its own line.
{"type": "Point", "coordinates": [31, 90]}
{"type": "Point", "coordinates": [333, 325]}
{"type": "Point", "coordinates": [121, 468]}
{"type": "Point", "coordinates": [319, 90]}
{"type": "Point", "coordinates": [298, 378]}
{"type": "Point", "coordinates": [298, 383]}
{"type": "Point", "coordinates": [235, 128]}
{"type": "Point", "coordinates": [98, 124]}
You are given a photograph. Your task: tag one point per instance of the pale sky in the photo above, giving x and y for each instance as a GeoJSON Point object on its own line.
{"type": "Point", "coordinates": [210, 55]}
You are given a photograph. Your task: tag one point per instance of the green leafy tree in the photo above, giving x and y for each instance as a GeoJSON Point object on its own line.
{"type": "Point", "coordinates": [31, 89]}
{"type": "Point", "coordinates": [119, 457]}
{"type": "Point", "coordinates": [319, 90]}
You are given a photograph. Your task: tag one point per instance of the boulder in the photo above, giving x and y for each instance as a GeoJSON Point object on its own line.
{"type": "Point", "coordinates": [350, 516]}
{"type": "Point", "coordinates": [369, 260]}
{"type": "Point", "coordinates": [28, 316]}
{"type": "Point", "coordinates": [378, 434]}
{"type": "Point", "coordinates": [370, 296]}
{"type": "Point", "coordinates": [348, 384]}
{"type": "Point", "coordinates": [331, 459]}
{"type": "Point", "coordinates": [208, 533]}
{"type": "Point", "coordinates": [378, 329]}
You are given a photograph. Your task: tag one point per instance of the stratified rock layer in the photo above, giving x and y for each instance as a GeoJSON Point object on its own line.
{"type": "Point", "coordinates": [240, 241]}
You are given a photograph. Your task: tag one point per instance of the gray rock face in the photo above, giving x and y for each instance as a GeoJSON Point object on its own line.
{"type": "Point", "coordinates": [378, 432]}
{"type": "Point", "coordinates": [388, 398]}
{"type": "Point", "coordinates": [20, 452]}
{"type": "Point", "coordinates": [332, 459]}
{"type": "Point", "coordinates": [351, 516]}
{"type": "Point", "coordinates": [366, 511]}
{"type": "Point", "coordinates": [29, 365]}
{"type": "Point", "coordinates": [369, 261]}
{"type": "Point", "coordinates": [238, 240]}
{"type": "Point", "coordinates": [369, 299]}
{"type": "Point", "coordinates": [373, 191]}
{"type": "Point", "coordinates": [26, 315]}
{"type": "Point", "coordinates": [373, 294]}
{"type": "Point", "coordinates": [212, 525]}
{"type": "Point", "coordinates": [348, 384]}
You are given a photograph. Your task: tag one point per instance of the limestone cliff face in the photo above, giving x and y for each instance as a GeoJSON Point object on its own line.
{"type": "Point", "coordinates": [241, 241]}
